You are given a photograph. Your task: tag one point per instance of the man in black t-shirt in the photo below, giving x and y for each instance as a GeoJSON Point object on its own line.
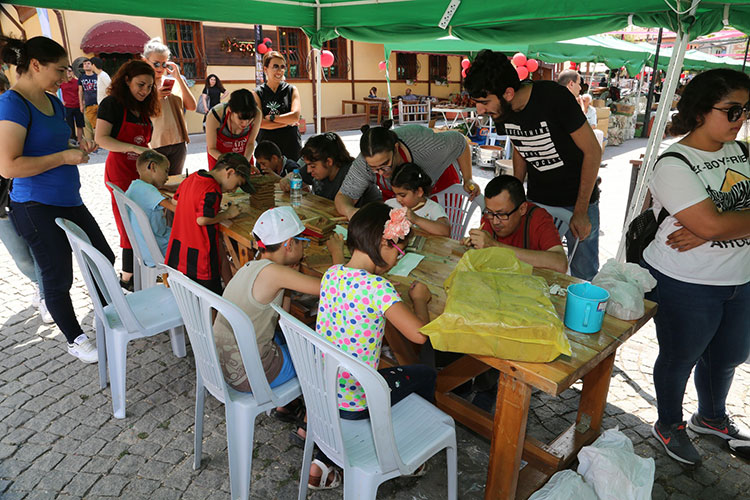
{"type": "Point", "coordinates": [553, 144]}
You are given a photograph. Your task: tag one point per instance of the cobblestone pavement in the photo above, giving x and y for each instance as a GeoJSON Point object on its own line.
{"type": "Point", "coordinates": [58, 438]}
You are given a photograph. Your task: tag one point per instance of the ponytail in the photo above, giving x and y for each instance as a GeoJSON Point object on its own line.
{"type": "Point", "coordinates": [20, 53]}
{"type": "Point", "coordinates": [412, 177]}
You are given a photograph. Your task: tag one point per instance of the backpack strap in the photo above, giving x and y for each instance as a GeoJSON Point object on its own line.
{"type": "Point", "coordinates": [526, 224]}
{"type": "Point", "coordinates": [743, 146]}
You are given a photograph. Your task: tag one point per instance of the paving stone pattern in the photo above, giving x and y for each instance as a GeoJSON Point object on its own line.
{"type": "Point", "coordinates": [58, 438]}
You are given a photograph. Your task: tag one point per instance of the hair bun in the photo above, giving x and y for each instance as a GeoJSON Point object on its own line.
{"type": "Point", "coordinates": [364, 128]}
{"type": "Point", "coordinates": [387, 124]}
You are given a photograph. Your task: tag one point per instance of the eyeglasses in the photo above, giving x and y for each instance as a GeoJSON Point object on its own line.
{"type": "Point", "coordinates": [499, 215]}
{"type": "Point", "coordinates": [383, 169]}
{"type": "Point", "coordinates": [159, 64]}
{"type": "Point", "coordinates": [278, 67]}
{"type": "Point", "coordinates": [305, 241]}
{"type": "Point", "coordinates": [735, 112]}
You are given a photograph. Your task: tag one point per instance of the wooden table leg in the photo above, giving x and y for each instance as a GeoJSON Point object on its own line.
{"type": "Point", "coordinates": [594, 395]}
{"type": "Point", "coordinates": [511, 414]}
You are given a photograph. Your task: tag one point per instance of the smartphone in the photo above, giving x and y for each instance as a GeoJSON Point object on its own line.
{"type": "Point", "coordinates": [167, 84]}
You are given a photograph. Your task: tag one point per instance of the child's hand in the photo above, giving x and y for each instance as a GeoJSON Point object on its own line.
{"type": "Point", "coordinates": [232, 211]}
{"type": "Point", "coordinates": [419, 292]}
{"type": "Point", "coordinates": [285, 185]}
{"type": "Point", "coordinates": [335, 245]}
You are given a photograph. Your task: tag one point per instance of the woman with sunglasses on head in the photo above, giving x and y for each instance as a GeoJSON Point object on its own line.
{"type": "Point", "coordinates": [442, 155]}
{"type": "Point", "coordinates": [700, 260]}
{"type": "Point", "coordinates": [280, 103]}
{"type": "Point", "coordinates": [124, 127]}
{"type": "Point", "coordinates": [170, 135]}
{"type": "Point", "coordinates": [233, 127]}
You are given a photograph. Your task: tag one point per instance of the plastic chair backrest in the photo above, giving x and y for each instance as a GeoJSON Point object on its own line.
{"type": "Point", "coordinates": [459, 209]}
{"type": "Point", "coordinates": [100, 276]}
{"type": "Point", "coordinates": [561, 218]}
{"type": "Point", "coordinates": [196, 304]}
{"type": "Point", "coordinates": [126, 206]}
{"type": "Point", "coordinates": [318, 364]}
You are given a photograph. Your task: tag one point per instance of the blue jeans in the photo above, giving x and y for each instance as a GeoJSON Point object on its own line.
{"type": "Point", "coordinates": [585, 263]}
{"type": "Point", "coordinates": [49, 245]}
{"type": "Point", "coordinates": [20, 252]}
{"type": "Point", "coordinates": [701, 326]}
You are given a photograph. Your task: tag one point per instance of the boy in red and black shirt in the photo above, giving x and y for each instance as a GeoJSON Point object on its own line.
{"type": "Point", "coordinates": [194, 242]}
{"type": "Point", "coordinates": [512, 222]}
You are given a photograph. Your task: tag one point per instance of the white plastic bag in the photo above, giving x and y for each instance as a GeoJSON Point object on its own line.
{"type": "Point", "coordinates": [565, 485]}
{"type": "Point", "coordinates": [626, 284]}
{"type": "Point", "coordinates": [614, 470]}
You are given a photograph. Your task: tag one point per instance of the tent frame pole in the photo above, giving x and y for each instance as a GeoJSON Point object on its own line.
{"type": "Point", "coordinates": [660, 123]}
{"type": "Point", "coordinates": [318, 76]}
{"type": "Point", "coordinates": [652, 86]}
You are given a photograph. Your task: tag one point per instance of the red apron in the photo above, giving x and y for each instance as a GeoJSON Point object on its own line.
{"type": "Point", "coordinates": [448, 178]}
{"type": "Point", "coordinates": [119, 168]}
{"type": "Point", "coordinates": [228, 144]}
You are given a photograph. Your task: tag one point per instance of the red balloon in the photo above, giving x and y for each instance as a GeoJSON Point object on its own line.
{"type": "Point", "coordinates": [573, 65]}
{"type": "Point", "coordinates": [326, 58]}
{"type": "Point", "coordinates": [267, 41]}
{"type": "Point", "coordinates": [465, 63]}
{"type": "Point", "coordinates": [382, 65]}
{"type": "Point", "coordinates": [532, 65]}
{"type": "Point", "coordinates": [519, 60]}
{"type": "Point", "coordinates": [523, 73]}
{"type": "Point", "coordinates": [262, 48]}
{"type": "Point", "coordinates": [463, 73]}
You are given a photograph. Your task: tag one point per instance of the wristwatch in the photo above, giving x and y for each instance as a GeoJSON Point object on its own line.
{"type": "Point", "coordinates": [272, 117]}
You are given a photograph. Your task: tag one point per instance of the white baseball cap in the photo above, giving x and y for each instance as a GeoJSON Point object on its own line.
{"type": "Point", "coordinates": [277, 224]}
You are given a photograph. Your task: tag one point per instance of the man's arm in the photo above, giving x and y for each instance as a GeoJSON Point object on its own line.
{"type": "Point", "coordinates": [584, 137]}
{"type": "Point", "coordinates": [464, 164]}
{"type": "Point", "coordinates": [345, 205]}
{"type": "Point", "coordinates": [519, 166]}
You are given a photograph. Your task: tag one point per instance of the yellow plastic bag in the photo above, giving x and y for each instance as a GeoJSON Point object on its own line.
{"type": "Point", "coordinates": [495, 307]}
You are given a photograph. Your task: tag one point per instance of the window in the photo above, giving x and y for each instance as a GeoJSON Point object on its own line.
{"type": "Point", "coordinates": [185, 41]}
{"type": "Point", "coordinates": [340, 62]}
{"type": "Point", "coordinates": [438, 67]}
{"type": "Point", "coordinates": [406, 66]}
{"type": "Point", "coordinates": [293, 44]}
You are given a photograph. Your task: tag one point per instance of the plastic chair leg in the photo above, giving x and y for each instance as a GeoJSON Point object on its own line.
{"type": "Point", "coordinates": [360, 486]}
{"type": "Point", "coordinates": [177, 338]}
{"type": "Point", "coordinates": [116, 358]}
{"type": "Point", "coordinates": [451, 460]}
{"type": "Point", "coordinates": [102, 352]}
{"type": "Point", "coordinates": [137, 281]}
{"type": "Point", "coordinates": [240, 431]}
{"type": "Point", "coordinates": [304, 476]}
{"type": "Point", "coordinates": [200, 400]}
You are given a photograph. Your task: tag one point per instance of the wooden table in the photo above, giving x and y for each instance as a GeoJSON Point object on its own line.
{"type": "Point", "coordinates": [592, 360]}
{"type": "Point", "coordinates": [369, 105]}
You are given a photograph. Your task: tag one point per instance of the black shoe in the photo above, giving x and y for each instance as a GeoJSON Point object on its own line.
{"type": "Point", "coordinates": [126, 285]}
{"type": "Point", "coordinates": [677, 443]}
{"type": "Point", "coordinates": [725, 427]}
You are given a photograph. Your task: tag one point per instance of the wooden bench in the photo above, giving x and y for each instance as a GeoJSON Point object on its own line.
{"type": "Point", "coordinates": [373, 108]}
{"type": "Point", "coordinates": [352, 121]}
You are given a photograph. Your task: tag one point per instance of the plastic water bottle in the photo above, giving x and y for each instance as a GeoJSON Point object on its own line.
{"type": "Point", "coordinates": [295, 182]}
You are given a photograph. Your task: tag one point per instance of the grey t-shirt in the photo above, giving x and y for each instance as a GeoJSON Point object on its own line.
{"type": "Point", "coordinates": [433, 151]}
{"type": "Point", "coordinates": [328, 188]}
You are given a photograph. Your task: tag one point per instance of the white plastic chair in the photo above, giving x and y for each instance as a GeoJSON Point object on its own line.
{"type": "Point", "coordinates": [492, 139]}
{"type": "Point", "coordinates": [459, 209]}
{"type": "Point", "coordinates": [196, 304]}
{"type": "Point", "coordinates": [394, 441]}
{"type": "Point", "coordinates": [144, 276]}
{"type": "Point", "coordinates": [562, 217]}
{"type": "Point", "coordinates": [121, 318]}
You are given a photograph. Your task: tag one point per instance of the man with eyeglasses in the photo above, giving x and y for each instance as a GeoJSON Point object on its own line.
{"type": "Point", "coordinates": [552, 143]}
{"type": "Point", "coordinates": [509, 221]}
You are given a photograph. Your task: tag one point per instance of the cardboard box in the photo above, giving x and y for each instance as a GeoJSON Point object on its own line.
{"type": "Point", "coordinates": [603, 125]}
{"type": "Point", "coordinates": [602, 113]}
{"type": "Point", "coordinates": [624, 109]}
{"type": "Point", "coordinates": [598, 103]}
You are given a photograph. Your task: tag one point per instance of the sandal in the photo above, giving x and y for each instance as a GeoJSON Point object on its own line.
{"type": "Point", "coordinates": [324, 484]}
{"type": "Point", "coordinates": [295, 438]}
{"type": "Point", "coordinates": [292, 413]}
{"type": "Point", "coordinates": [419, 471]}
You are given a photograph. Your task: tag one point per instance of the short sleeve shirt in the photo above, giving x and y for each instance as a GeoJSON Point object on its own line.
{"type": "Point", "coordinates": [541, 135]}
{"type": "Point", "coordinates": [543, 233]}
{"type": "Point", "coordinates": [431, 210]}
{"type": "Point", "coordinates": [351, 316]}
{"type": "Point", "coordinates": [328, 188]}
{"type": "Point", "coordinates": [89, 85]}
{"type": "Point", "coordinates": [70, 93]}
{"type": "Point", "coordinates": [148, 198]}
{"type": "Point", "coordinates": [111, 111]}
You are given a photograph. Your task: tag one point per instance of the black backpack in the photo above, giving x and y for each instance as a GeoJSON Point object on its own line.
{"type": "Point", "coordinates": [6, 185]}
{"type": "Point", "coordinates": [642, 230]}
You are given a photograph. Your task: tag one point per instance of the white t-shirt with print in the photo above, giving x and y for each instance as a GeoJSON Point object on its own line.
{"type": "Point", "coordinates": [723, 176]}
{"type": "Point", "coordinates": [430, 211]}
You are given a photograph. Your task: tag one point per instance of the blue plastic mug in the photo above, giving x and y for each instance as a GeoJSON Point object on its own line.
{"type": "Point", "coordinates": [585, 307]}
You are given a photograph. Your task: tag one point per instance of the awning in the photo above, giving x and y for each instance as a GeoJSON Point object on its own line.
{"type": "Point", "coordinates": [114, 36]}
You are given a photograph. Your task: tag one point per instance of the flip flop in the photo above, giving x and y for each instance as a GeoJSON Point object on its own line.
{"type": "Point", "coordinates": [324, 483]}
{"type": "Point", "coordinates": [294, 411]}
{"type": "Point", "coordinates": [295, 438]}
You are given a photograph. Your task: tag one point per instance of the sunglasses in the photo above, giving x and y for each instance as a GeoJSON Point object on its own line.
{"type": "Point", "coordinates": [278, 67]}
{"type": "Point", "coordinates": [499, 215]}
{"type": "Point", "coordinates": [159, 64]}
{"type": "Point", "coordinates": [734, 113]}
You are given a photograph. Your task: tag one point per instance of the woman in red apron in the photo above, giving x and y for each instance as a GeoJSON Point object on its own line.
{"type": "Point", "coordinates": [233, 127]}
{"type": "Point", "coordinates": [124, 127]}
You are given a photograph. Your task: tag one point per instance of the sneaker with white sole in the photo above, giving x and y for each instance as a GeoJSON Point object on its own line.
{"type": "Point", "coordinates": [44, 313]}
{"type": "Point", "coordinates": [83, 349]}
{"type": "Point", "coordinates": [725, 427]}
{"type": "Point", "coordinates": [36, 298]}
{"type": "Point", "coordinates": [676, 442]}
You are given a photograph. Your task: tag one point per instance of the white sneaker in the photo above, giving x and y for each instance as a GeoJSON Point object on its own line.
{"type": "Point", "coordinates": [83, 349]}
{"type": "Point", "coordinates": [44, 313]}
{"type": "Point", "coordinates": [36, 298]}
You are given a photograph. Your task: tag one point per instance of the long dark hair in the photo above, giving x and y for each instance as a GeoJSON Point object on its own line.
{"type": "Point", "coordinates": [20, 53]}
{"type": "Point", "coordinates": [218, 83]}
{"type": "Point", "coordinates": [702, 94]}
{"type": "Point", "coordinates": [377, 139]}
{"type": "Point", "coordinates": [366, 230]}
{"type": "Point", "coordinates": [411, 176]}
{"type": "Point", "coordinates": [120, 90]}
{"type": "Point", "coordinates": [324, 146]}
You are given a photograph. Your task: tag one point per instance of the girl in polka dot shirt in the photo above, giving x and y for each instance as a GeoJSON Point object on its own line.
{"type": "Point", "coordinates": [355, 302]}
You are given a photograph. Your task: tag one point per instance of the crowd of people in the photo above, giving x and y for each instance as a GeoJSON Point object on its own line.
{"type": "Point", "coordinates": [138, 116]}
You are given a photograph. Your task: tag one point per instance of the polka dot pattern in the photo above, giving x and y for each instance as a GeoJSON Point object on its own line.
{"type": "Point", "coordinates": [351, 316]}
